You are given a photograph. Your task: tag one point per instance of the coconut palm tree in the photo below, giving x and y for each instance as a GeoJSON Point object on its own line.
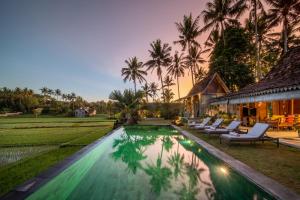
{"type": "Point", "coordinates": [57, 93]}
{"type": "Point", "coordinates": [44, 91]}
{"type": "Point", "coordinates": [254, 5]}
{"type": "Point", "coordinates": [283, 12]}
{"type": "Point", "coordinates": [188, 32]}
{"type": "Point", "coordinates": [220, 14]}
{"type": "Point", "coordinates": [128, 102]}
{"type": "Point", "coordinates": [200, 74]}
{"type": "Point", "coordinates": [193, 60]}
{"type": "Point", "coordinates": [153, 89]}
{"type": "Point", "coordinates": [260, 29]}
{"type": "Point", "coordinates": [168, 95]}
{"type": "Point", "coordinates": [159, 57]}
{"type": "Point", "coordinates": [147, 91]}
{"type": "Point", "coordinates": [176, 69]}
{"type": "Point", "coordinates": [168, 81]}
{"type": "Point", "coordinates": [50, 92]}
{"type": "Point", "coordinates": [211, 41]}
{"type": "Point", "coordinates": [134, 71]}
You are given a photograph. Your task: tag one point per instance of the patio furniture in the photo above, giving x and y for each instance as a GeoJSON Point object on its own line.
{"type": "Point", "coordinates": [287, 122]}
{"type": "Point", "coordinates": [257, 133]}
{"type": "Point", "coordinates": [215, 125]}
{"type": "Point", "coordinates": [233, 126]}
{"type": "Point", "coordinates": [192, 122]}
{"type": "Point", "coordinates": [203, 123]}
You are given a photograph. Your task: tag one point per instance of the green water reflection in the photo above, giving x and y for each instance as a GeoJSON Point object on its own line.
{"type": "Point", "coordinates": [148, 162]}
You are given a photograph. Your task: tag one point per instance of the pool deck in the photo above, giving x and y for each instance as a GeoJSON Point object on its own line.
{"type": "Point", "coordinates": [24, 190]}
{"type": "Point", "coordinates": [274, 188]}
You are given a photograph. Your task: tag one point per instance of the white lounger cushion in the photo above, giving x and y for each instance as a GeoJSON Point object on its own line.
{"type": "Point", "coordinates": [204, 123]}
{"type": "Point", "coordinates": [258, 131]}
{"type": "Point", "coordinates": [233, 125]}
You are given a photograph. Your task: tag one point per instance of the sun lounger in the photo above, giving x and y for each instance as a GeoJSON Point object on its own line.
{"type": "Point", "coordinates": [257, 133]}
{"type": "Point", "coordinates": [216, 124]}
{"type": "Point", "coordinates": [234, 125]}
{"type": "Point", "coordinates": [191, 123]}
{"type": "Point", "coordinates": [203, 123]}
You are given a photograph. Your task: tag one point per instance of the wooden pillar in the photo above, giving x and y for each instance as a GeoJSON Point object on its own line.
{"type": "Point", "coordinates": [292, 106]}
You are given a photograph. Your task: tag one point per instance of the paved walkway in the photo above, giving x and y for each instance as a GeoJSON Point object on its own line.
{"type": "Point", "coordinates": [293, 142]}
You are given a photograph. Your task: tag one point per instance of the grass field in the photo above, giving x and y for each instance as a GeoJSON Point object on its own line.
{"type": "Point", "coordinates": [29, 145]}
{"type": "Point", "coordinates": [282, 164]}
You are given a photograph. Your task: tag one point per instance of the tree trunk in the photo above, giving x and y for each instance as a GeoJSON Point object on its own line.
{"type": "Point", "coordinates": [285, 35]}
{"type": "Point", "coordinates": [134, 86]}
{"type": "Point", "coordinates": [189, 47]}
{"type": "Point", "coordinates": [192, 73]}
{"type": "Point", "coordinates": [258, 70]}
{"type": "Point", "coordinates": [178, 88]}
{"type": "Point", "coordinates": [162, 87]}
{"type": "Point", "coordinates": [222, 33]}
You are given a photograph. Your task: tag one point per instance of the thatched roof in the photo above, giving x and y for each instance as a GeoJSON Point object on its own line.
{"type": "Point", "coordinates": [201, 86]}
{"type": "Point", "coordinates": [285, 76]}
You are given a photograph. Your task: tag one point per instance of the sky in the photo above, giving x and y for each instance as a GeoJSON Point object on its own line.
{"type": "Point", "coordinates": [80, 45]}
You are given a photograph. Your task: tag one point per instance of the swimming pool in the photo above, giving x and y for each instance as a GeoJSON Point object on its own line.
{"type": "Point", "coordinates": [148, 162]}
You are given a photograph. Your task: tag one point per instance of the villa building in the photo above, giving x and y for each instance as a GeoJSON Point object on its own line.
{"type": "Point", "coordinates": [197, 100]}
{"type": "Point", "coordinates": [274, 99]}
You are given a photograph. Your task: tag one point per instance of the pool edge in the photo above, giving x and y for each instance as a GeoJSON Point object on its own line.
{"type": "Point", "coordinates": [28, 187]}
{"type": "Point", "coordinates": [271, 186]}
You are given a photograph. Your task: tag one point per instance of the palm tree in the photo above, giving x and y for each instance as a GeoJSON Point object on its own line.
{"type": "Point", "coordinates": [57, 93]}
{"type": "Point", "coordinates": [211, 41]}
{"type": "Point", "coordinates": [64, 97]}
{"type": "Point", "coordinates": [285, 12]}
{"type": "Point", "coordinates": [176, 69]}
{"type": "Point", "coordinates": [50, 92]}
{"type": "Point", "coordinates": [254, 5]}
{"type": "Point", "coordinates": [44, 91]}
{"type": "Point", "coordinates": [168, 95]}
{"type": "Point", "coordinates": [128, 102]}
{"type": "Point", "coordinates": [200, 74]}
{"type": "Point", "coordinates": [168, 81]}
{"type": "Point", "coordinates": [134, 71]}
{"type": "Point", "coordinates": [194, 59]}
{"type": "Point", "coordinates": [147, 91]}
{"type": "Point", "coordinates": [160, 57]}
{"type": "Point", "coordinates": [188, 32]}
{"type": "Point", "coordinates": [260, 30]}
{"type": "Point", "coordinates": [220, 14]}
{"type": "Point", "coordinates": [153, 89]}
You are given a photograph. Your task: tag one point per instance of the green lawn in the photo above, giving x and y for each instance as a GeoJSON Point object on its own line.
{"type": "Point", "coordinates": [30, 145]}
{"type": "Point", "coordinates": [281, 164]}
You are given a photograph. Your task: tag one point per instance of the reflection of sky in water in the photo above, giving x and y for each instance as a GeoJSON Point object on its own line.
{"type": "Point", "coordinates": [148, 163]}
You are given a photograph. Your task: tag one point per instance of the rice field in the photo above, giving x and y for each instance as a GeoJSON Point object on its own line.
{"type": "Point", "coordinates": [29, 145]}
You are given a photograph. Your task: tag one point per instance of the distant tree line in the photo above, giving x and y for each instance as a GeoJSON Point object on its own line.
{"type": "Point", "coordinates": [48, 101]}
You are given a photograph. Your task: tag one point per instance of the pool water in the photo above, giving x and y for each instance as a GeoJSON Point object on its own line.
{"type": "Point", "coordinates": [148, 162]}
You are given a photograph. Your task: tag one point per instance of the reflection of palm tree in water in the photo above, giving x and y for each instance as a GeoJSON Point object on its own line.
{"type": "Point", "coordinates": [160, 175]}
{"type": "Point", "coordinates": [131, 148]}
{"type": "Point", "coordinates": [193, 171]}
{"type": "Point", "coordinates": [176, 160]}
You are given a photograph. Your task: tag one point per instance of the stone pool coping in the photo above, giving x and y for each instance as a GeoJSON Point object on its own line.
{"type": "Point", "coordinates": [267, 184]}
{"type": "Point", "coordinates": [28, 187]}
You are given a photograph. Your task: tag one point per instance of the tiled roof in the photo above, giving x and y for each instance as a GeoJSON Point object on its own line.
{"type": "Point", "coordinates": [285, 76]}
